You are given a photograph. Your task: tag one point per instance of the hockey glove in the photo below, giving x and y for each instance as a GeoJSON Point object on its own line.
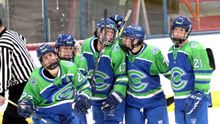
{"type": "Point", "coordinates": [82, 104]}
{"type": "Point", "coordinates": [25, 108]}
{"type": "Point", "coordinates": [192, 102]}
{"type": "Point", "coordinates": [112, 101]}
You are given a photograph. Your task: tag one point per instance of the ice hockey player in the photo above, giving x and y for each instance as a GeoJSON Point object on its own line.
{"type": "Point", "coordinates": [110, 80]}
{"type": "Point", "coordinates": [145, 97]}
{"type": "Point", "coordinates": [191, 74]}
{"type": "Point", "coordinates": [50, 90]}
{"type": "Point", "coordinates": [67, 50]}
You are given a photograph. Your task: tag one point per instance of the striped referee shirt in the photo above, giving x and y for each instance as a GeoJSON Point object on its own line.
{"type": "Point", "coordinates": [16, 64]}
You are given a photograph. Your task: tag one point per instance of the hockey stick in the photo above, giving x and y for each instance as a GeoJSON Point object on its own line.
{"type": "Point", "coordinates": [99, 55]}
{"type": "Point", "coordinates": [170, 100]}
{"type": "Point", "coordinates": [102, 48]}
{"type": "Point", "coordinates": [125, 21]}
{"type": "Point", "coordinates": [211, 58]}
{"type": "Point", "coordinates": [34, 114]}
{"type": "Point", "coordinates": [119, 34]}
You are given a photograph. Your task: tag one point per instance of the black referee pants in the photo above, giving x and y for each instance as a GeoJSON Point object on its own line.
{"type": "Point", "coordinates": [10, 114]}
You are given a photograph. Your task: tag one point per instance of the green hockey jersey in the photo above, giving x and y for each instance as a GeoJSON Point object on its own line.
{"type": "Point", "coordinates": [81, 63]}
{"type": "Point", "coordinates": [111, 73]}
{"type": "Point", "coordinates": [56, 95]}
{"type": "Point", "coordinates": [190, 70]}
{"type": "Point", "coordinates": [144, 89]}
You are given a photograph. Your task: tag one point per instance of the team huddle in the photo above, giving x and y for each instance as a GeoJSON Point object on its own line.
{"type": "Point", "coordinates": [118, 77]}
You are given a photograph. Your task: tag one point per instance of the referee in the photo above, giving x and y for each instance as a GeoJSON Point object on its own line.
{"type": "Point", "coordinates": [16, 66]}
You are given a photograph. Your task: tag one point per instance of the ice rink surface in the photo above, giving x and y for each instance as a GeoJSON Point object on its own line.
{"type": "Point", "coordinates": [214, 117]}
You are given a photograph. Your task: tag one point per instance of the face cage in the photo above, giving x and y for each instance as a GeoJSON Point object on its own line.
{"type": "Point", "coordinates": [127, 49]}
{"type": "Point", "coordinates": [105, 42]}
{"type": "Point", "coordinates": [52, 65]}
{"type": "Point", "coordinates": [178, 41]}
{"type": "Point", "coordinates": [63, 58]}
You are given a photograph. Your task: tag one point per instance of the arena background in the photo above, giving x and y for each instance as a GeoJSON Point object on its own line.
{"type": "Point", "coordinates": [43, 20]}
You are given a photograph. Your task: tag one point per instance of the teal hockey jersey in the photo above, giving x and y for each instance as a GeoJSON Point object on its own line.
{"type": "Point", "coordinates": [190, 70]}
{"type": "Point", "coordinates": [111, 73]}
{"type": "Point", "coordinates": [144, 89]}
{"type": "Point", "coordinates": [81, 63]}
{"type": "Point", "coordinates": [56, 95]}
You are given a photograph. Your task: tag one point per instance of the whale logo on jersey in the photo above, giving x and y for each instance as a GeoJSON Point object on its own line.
{"type": "Point", "coordinates": [177, 82]}
{"type": "Point", "coordinates": [99, 81]}
{"type": "Point", "coordinates": [66, 92]}
{"type": "Point", "coordinates": [116, 48]}
{"type": "Point", "coordinates": [137, 84]}
{"type": "Point", "coordinates": [58, 93]}
{"type": "Point", "coordinates": [194, 44]}
{"type": "Point", "coordinates": [33, 81]}
{"type": "Point", "coordinates": [155, 51]}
